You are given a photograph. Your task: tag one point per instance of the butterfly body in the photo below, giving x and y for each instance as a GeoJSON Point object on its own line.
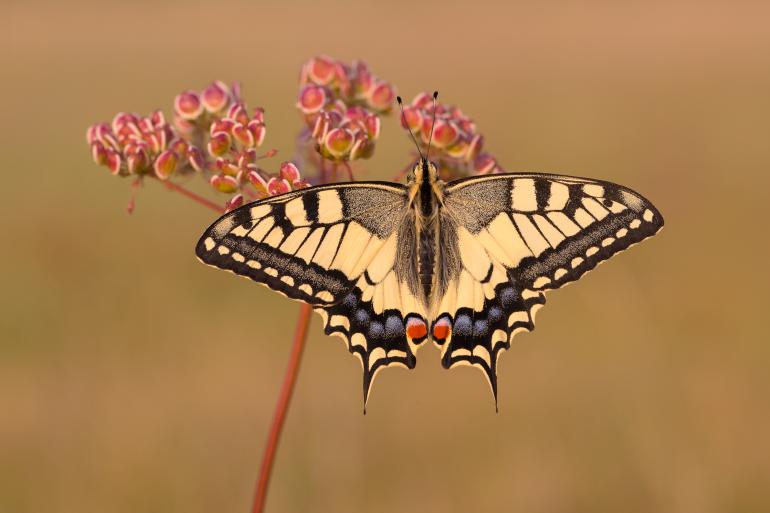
{"type": "Point", "coordinates": [464, 263]}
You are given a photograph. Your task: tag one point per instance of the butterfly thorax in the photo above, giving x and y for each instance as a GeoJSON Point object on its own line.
{"type": "Point", "coordinates": [426, 196]}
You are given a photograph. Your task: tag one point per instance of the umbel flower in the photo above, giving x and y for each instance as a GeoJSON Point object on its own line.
{"type": "Point", "coordinates": [216, 135]}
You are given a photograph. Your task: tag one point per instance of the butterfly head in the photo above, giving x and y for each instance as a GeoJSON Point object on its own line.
{"type": "Point", "coordinates": [423, 171]}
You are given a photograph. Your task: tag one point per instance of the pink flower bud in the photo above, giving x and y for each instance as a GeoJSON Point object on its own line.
{"type": "Point", "coordinates": [321, 70]}
{"type": "Point", "coordinates": [311, 99]}
{"type": "Point", "coordinates": [422, 101]}
{"type": "Point", "coordinates": [444, 134]}
{"type": "Point", "coordinates": [188, 105]}
{"type": "Point", "coordinates": [258, 132]}
{"type": "Point", "coordinates": [98, 153]}
{"type": "Point", "coordinates": [122, 119]}
{"type": "Point", "coordinates": [165, 164]}
{"type": "Point", "coordinates": [381, 97]}
{"type": "Point", "coordinates": [219, 144]}
{"type": "Point", "coordinates": [235, 202]}
{"type": "Point", "coordinates": [237, 113]}
{"type": "Point", "coordinates": [178, 146]}
{"type": "Point", "coordinates": [257, 181]}
{"type": "Point", "coordinates": [195, 158]}
{"type": "Point", "coordinates": [363, 148]}
{"type": "Point", "coordinates": [289, 172]}
{"type": "Point", "coordinates": [242, 135]}
{"type": "Point", "coordinates": [138, 161]}
{"type": "Point", "coordinates": [224, 183]}
{"type": "Point", "coordinates": [259, 115]}
{"type": "Point", "coordinates": [157, 119]}
{"type": "Point", "coordinates": [484, 164]}
{"type": "Point", "coordinates": [92, 133]}
{"type": "Point", "coordinates": [412, 119]}
{"type": "Point", "coordinates": [373, 126]}
{"type": "Point", "coordinates": [114, 161]}
{"type": "Point", "coordinates": [222, 125]}
{"type": "Point", "coordinates": [278, 186]}
{"type": "Point", "coordinates": [338, 142]}
{"type": "Point", "coordinates": [215, 97]}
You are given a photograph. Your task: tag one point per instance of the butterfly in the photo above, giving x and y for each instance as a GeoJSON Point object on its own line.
{"type": "Point", "coordinates": [464, 264]}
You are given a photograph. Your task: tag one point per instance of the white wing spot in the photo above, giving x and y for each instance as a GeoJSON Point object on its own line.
{"type": "Point", "coordinates": [635, 224]}
{"type": "Point", "coordinates": [608, 241]}
{"type": "Point", "coordinates": [597, 191]}
{"type": "Point", "coordinates": [288, 280]}
{"type": "Point", "coordinates": [541, 282]}
{"type": "Point", "coordinates": [559, 273]}
{"type": "Point", "coordinates": [238, 257]}
{"type": "Point", "coordinates": [209, 243]}
{"type": "Point", "coordinates": [523, 198]}
{"type": "Point", "coordinates": [592, 251]}
{"type": "Point", "coordinates": [358, 339]}
{"type": "Point", "coordinates": [271, 272]}
{"type": "Point", "coordinates": [260, 211]}
{"type": "Point", "coordinates": [583, 218]}
{"type": "Point", "coordinates": [223, 250]}
{"type": "Point", "coordinates": [307, 289]}
{"type": "Point", "coordinates": [254, 264]}
{"type": "Point", "coordinates": [325, 295]}
{"type": "Point", "coordinates": [576, 262]}
{"type": "Point", "coordinates": [517, 317]}
{"type": "Point", "coordinates": [339, 321]}
{"type": "Point", "coordinates": [621, 233]}
{"type": "Point", "coordinates": [329, 206]}
{"type": "Point", "coordinates": [648, 215]}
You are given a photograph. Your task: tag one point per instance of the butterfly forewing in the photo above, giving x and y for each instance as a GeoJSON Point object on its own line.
{"type": "Point", "coordinates": [506, 238]}
{"type": "Point", "coordinates": [334, 247]}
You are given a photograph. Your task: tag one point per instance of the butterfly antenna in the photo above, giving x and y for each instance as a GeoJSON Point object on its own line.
{"type": "Point", "coordinates": [403, 119]}
{"type": "Point", "coordinates": [432, 124]}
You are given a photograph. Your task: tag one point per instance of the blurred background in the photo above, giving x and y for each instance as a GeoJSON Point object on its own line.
{"type": "Point", "coordinates": [134, 379]}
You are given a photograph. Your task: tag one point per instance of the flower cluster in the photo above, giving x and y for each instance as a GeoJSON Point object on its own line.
{"type": "Point", "coordinates": [342, 105]}
{"type": "Point", "coordinates": [456, 146]}
{"type": "Point", "coordinates": [138, 145]}
{"type": "Point", "coordinates": [212, 134]}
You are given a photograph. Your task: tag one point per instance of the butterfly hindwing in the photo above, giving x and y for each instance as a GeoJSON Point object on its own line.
{"type": "Point", "coordinates": [335, 248]}
{"type": "Point", "coordinates": [508, 238]}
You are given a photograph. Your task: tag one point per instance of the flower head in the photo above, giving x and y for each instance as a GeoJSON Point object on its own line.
{"type": "Point", "coordinates": [342, 105]}
{"type": "Point", "coordinates": [456, 145]}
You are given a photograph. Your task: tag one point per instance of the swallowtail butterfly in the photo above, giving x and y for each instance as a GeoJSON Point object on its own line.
{"type": "Point", "coordinates": [464, 264]}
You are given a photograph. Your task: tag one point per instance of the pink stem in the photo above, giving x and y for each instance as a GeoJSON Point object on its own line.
{"type": "Point", "coordinates": [193, 196]}
{"type": "Point", "coordinates": [284, 398]}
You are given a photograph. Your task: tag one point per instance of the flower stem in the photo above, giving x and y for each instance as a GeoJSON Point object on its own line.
{"type": "Point", "coordinates": [193, 196]}
{"type": "Point", "coordinates": [284, 398]}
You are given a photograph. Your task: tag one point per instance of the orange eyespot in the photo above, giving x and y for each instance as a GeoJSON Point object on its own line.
{"type": "Point", "coordinates": [416, 330]}
{"type": "Point", "coordinates": [440, 331]}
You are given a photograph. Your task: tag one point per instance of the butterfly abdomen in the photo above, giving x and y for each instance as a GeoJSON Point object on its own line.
{"type": "Point", "coordinates": [427, 258]}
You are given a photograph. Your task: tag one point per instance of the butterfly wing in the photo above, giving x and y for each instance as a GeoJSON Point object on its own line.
{"type": "Point", "coordinates": [508, 238]}
{"type": "Point", "coordinates": [334, 247]}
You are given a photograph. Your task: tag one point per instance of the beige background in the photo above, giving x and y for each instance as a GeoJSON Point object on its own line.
{"type": "Point", "coordinates": [134, 379]}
